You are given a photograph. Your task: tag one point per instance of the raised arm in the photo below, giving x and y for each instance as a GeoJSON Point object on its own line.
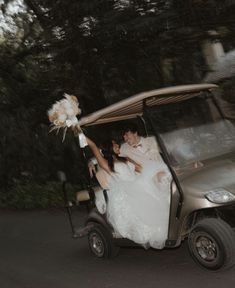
{"type": "Point", "coordinates": [103, 163]}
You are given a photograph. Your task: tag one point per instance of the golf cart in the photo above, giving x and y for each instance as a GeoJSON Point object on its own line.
{"type": "Point", "coordinates": [198, 145]}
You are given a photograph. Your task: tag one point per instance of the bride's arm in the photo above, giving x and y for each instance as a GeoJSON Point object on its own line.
{"type": "Point", "coordinates": [103, 163]}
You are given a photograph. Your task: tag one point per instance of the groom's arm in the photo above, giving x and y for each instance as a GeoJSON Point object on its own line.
{"type": "Point", "coordinates": [154, 150]}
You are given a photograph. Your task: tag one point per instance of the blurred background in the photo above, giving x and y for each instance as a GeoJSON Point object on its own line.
{"type": "Point", "coordinates": [101, 51]}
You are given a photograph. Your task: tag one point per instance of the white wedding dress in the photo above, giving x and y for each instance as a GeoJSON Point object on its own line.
{"type": "Point", "coordinates": [138, 206]}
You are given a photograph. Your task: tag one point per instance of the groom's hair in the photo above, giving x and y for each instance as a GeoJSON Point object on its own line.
{"type": "Point", "coordinates": [132, 127]}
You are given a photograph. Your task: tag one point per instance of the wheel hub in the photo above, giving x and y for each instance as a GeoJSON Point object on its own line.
{"type": "Point", "coordinates": [97, 244]}
{"type": "Point", "coordinates": [206, 248]}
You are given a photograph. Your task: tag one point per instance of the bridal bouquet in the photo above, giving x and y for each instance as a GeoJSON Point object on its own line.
{"type": "Point", "coordinates": [63, 114]}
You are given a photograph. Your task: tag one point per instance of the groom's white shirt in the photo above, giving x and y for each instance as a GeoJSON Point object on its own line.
{"type": "Point", "coordinates": [146, 149]}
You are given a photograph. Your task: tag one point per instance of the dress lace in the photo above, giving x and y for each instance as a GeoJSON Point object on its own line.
{"type": "Point", "coordinates": [138, 207]}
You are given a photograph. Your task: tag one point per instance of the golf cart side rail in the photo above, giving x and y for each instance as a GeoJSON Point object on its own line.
{"type": "Point", "coordinates": [133, 106]}
{"type": "Point", "coordinates": [167, 161]}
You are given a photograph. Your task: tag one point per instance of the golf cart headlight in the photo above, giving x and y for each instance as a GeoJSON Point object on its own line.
{"type": "Point", "coordinates": [219, 196]}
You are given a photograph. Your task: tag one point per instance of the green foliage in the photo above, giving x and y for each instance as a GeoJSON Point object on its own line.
{"type": "Point", "coordinates": [33, 195]}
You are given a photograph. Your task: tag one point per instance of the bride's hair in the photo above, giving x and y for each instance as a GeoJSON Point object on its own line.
{"type": "Point", "coordinates": [108, 153]}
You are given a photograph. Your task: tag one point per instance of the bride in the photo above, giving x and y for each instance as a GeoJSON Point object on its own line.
{"type": "Point", "coordinates": [138, 205]}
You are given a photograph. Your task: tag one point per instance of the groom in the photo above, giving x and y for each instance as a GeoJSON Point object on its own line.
{"type": "Point", "coordinates": [140, 148]}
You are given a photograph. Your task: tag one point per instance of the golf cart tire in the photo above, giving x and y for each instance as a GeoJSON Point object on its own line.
{"type": "Point", "coordinates": [101, 242]}
{"type": "Point", "coordinates": [211, 244]}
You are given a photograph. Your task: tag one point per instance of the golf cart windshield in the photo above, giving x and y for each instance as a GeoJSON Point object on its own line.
{"type": "Point", "coordinates": [190, 133]}
{"type": "Point", "coordinates": [200, 143]}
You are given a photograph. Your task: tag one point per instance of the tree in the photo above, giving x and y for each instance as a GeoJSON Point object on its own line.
{"type": "Point", "coordinates": [100, 50]}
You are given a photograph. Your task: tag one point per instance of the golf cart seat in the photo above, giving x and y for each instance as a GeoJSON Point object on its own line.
{"type": "Point", "coordinates": [83, 196]}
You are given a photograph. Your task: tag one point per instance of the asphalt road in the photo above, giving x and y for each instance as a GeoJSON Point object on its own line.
{"type": "Point", "coordinates": [37, 251]}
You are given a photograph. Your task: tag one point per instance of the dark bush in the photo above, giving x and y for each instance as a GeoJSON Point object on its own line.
{"type": "Point", "coordinates": [35, 196]}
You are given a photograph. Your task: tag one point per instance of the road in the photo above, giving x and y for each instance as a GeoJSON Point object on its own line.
{"type": "Point", "coordinates": [37, 251]}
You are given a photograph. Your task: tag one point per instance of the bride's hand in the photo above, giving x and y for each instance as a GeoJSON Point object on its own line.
{"type": "Point", "coordinates": [160, 176]}
{"type": "Point", "coordinates": [138, 168]}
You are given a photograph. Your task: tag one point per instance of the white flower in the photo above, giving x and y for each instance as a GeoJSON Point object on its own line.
{"type": "Point", "coordinates": [63, 113]}
{"type": "Point", "coordinates": [67, 105]}
{"type": "Point", "coordinates": [69, 123]}
{"type": "Point", "coordinates": [62, 118]}
{"type": "Point", "coordinates": [70, 112]}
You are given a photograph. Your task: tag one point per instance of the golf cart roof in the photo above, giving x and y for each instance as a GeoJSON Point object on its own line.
{"type": "Point", "coordinates": [133, 106]}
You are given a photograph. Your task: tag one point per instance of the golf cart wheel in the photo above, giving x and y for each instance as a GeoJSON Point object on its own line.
{"type": "Point", "coordinates": [101, 243]}
{"type": "Point", "coordinates": [211, 243]}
